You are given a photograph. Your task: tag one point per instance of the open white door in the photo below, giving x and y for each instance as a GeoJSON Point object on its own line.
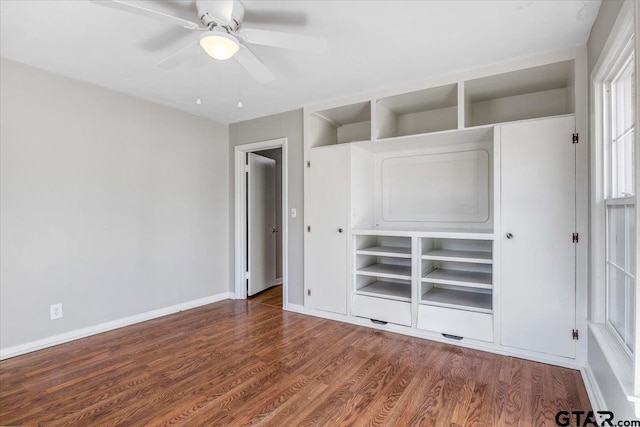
{"type": "Point", "coordinates": [261, 206]}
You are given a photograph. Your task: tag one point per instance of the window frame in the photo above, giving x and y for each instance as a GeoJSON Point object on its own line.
{"type": "Point", "coordinates": [619, 359]}
{"type": "Point", "coordinates": [618, 63]}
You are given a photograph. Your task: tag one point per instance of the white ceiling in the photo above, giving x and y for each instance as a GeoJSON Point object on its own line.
{"type": "Point", "coordinates": [372, 44]}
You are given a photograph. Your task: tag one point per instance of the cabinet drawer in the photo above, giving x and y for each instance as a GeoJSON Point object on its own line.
{"type": "Point", "coordinates": [397, 312]}
{"type": "Point", "coordinates": [467, 324]}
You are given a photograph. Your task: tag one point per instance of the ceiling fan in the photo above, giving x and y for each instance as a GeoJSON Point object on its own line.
{"type": "Point", "coordinates": [223, 35]}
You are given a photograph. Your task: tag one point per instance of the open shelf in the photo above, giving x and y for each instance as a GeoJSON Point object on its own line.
{"type": "Point", "coordinates": [389, 271]}
{"type": "Point", "coordinates": [388, 251]}
{"type": "Point", "coordinates": [474, 301]}
{"type": "Point", "coordinates": [390, 290]}
{"type": "Point", "coordinates": [475, 279]}
{"type": "Point", "coordinates": [543, 91]}
{"type": "Point", "coordinates": [475, 257]}
{"type": "Point", "coordinates": [340, 125]}
{"type": "Point", "coordinates": [429, 110]}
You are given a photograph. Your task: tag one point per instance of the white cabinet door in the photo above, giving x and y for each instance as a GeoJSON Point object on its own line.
{"type": "Point", "coordinates": [326, 233]}
{"type": "Point", "coordinates": [538, 221]}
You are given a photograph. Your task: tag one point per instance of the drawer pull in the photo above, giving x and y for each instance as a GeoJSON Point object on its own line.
{"type": "Point", "coordinates": [452, 337]}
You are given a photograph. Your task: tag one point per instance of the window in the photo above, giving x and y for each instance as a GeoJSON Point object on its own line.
{"type": "Point", "coordinates": [619, 131]}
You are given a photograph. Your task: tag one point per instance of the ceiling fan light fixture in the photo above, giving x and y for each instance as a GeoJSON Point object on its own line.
{"type": "Point", "coordinates": [219, 45]}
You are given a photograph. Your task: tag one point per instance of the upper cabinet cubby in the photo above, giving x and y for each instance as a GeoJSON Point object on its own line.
{"type": "Point", "coordinates": [531, 93]}
{"type": "Point", "coordinates": [429, 110]}
{"type": "Point", "coordinates": [526, 89]}
{"type": "Point", "coordinates": [339, 125]}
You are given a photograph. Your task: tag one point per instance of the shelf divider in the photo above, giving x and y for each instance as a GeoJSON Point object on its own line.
{"type": "Point", "coordinates": [474, 279]}
{"type": "Point", "coordinates": [465, 300]}
{"type": "Point", "coordinates": [475, 257]}
{"type": "Point", "coordinates": [388, 251]}
{"type": "Point", "coordinates": [389, 290]}
{"type": "Point", "coordinates": [388, 271]}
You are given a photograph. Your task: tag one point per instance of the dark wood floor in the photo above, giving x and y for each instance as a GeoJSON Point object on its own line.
{"type": "Point", "coordinates": [272, 296]}
{"type": "Point", "coordinates": [241, 363]}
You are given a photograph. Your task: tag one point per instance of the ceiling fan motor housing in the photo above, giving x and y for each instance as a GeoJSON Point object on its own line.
{"type": "Point", "coordinates": [215, 13]}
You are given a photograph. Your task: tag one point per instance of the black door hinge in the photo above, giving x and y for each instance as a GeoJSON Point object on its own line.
{"type": "Point", "coordinates": [576, 138]}
{"type": "Point", "coordinates": [308, 163]}
{"type": "Point", "coordinates": [576, 238]}
{"type": "Point", "coordinates": [309, 292]}
{"type": "Point", "coordinates": [574, 334]}
{"type": "Point", "coordinates": [308, 229]}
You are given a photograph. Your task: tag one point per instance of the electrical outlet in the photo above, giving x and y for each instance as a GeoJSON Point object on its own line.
{"type": "Point", "coordinates": [56, 311]}
{"type": "Point", "coordinates": [294, 213]}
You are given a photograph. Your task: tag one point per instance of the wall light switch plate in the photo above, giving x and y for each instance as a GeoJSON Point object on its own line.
{"type": "Point", "coordinates": [294, 213]}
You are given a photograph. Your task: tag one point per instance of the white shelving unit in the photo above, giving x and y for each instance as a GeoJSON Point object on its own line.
{"type": "Point", "coordinates": [383, 278]}
{"type": "Point", "coordinates": [429, 110]}
{"type": "Point", "coordinates": [543, 91]}
{"type": "Point", "coordinates": [425, 202]}
{"type": "Point", "coordinates": [339, 125]}
{"type": "Point", "coordinates": [457, 273]}
{"type": "Point", "coordinates": [456, 287]}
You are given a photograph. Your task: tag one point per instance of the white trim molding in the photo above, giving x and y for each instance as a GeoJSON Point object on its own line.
{"type": "Point", "coordinates": [240, 214]}
{"type": "Point", "coordinates": [108, 326]}
{"type": "Point", "coordinates": [609, 372]}
{"type": "Point", "coordinates": [295, 308]}
{"type": "Point", "coordinates": [593, 389]}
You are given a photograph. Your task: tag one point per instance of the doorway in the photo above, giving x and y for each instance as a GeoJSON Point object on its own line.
{"type": "Point", "coordinates": [261, 222]}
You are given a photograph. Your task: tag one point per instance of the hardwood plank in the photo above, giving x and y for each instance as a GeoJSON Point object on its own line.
{"type": "Point", "coordinates": [271, 296]}
{"type": "Point", "coordinates": [249, 363]}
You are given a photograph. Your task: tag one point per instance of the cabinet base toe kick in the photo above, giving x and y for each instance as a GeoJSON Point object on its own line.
{"type": "Point", "coordinates": [456, 324]}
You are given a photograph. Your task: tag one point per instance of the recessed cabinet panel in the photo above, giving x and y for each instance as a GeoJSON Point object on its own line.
{"type": "Point", "coordinates": [444, 187]}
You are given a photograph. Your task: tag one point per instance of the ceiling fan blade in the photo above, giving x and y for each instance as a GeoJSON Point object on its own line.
{"type": "Point", "coordinates": [283, 40]}
{"type": "Point", "coordinates": [177, 57]}
{"type": "Point", "coordinates": [254, 66]}
{"type": "Point", "coordinates": [143, 11]}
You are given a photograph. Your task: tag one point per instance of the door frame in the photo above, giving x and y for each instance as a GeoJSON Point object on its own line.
{"type": "Point", "coordinates": [240, 215]}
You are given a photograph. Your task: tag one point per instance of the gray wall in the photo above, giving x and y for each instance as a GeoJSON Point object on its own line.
{"type": "Point", "coordinates": [607, 15]}
{"type": "Point", "coordinates": [282, 125]}
{"type": "Point", "coordinates": [110, 205]}
{"type": "Point", "coordinates": [276, 154]}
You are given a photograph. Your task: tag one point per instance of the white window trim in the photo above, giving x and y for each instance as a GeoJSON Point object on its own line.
{"type": "Point", "coordinates": [615, 352]}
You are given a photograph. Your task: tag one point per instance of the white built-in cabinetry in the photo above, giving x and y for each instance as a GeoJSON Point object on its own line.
{"type": "Point", "coordinates": [326, 283]}
{"type": "Point", "coordinates": [457, 215]}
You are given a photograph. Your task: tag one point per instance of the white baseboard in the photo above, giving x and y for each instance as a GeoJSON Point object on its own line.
{"type": "Point", "coordinates": [593, 389]}
{"type": "Point", "coordinates": [432, 336]}
{"type": "Point", "coordinates": [279, 281]}
{"type": "Point", "coordinates": [296, 308]}
{"type": "Point", "coordinates": [108, 326]}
